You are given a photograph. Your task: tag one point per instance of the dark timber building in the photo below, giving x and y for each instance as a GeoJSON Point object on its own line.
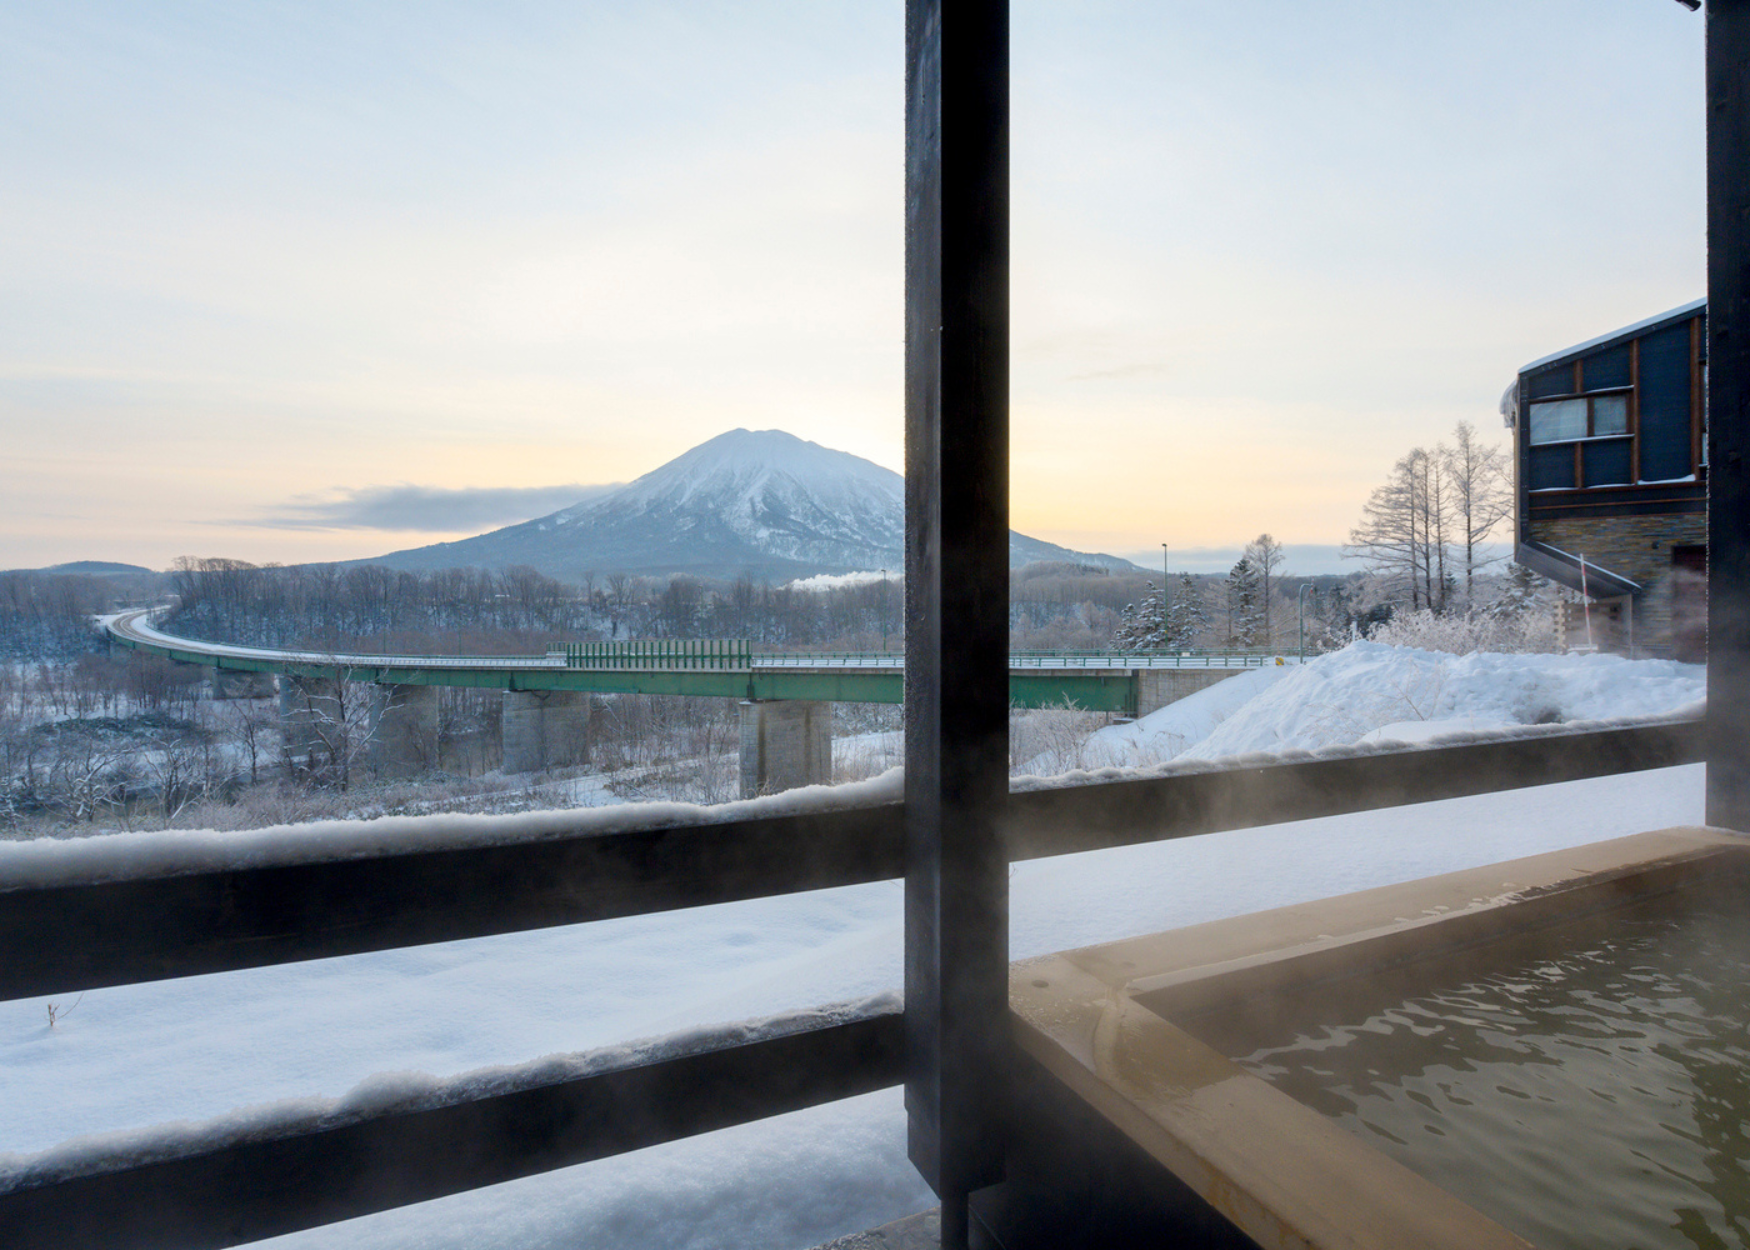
{"type": "Point", "coordinates": [1611, 466]}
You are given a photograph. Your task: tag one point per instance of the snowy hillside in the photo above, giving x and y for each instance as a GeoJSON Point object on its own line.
{"type": "Point", "coordinates": [760, 501]}
{"type": "Point", "coordinates": [1368, 692]}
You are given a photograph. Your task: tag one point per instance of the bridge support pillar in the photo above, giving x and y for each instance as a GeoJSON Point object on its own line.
{"type": "Point", "coordinates": [545, 729]}
{"type": "Point", "coordinates": [1157, 687]}
{"type": "Point", "coordinates": [312, 722]}
{"type": "Point", "coordinates": [785, 743]}
{"type": "Point", "coordinates": [404, 729]}
{"type": "Point", "coordinates": [237, 683]}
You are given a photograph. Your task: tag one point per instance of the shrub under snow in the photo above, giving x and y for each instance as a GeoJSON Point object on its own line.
{"type": "Point", "coordinates": [1518, 632]}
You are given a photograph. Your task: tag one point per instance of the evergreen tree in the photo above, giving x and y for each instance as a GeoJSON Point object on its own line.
{"type": "Point", "coordinates": [1186, 619]}
{"type": "Point", "coordinates": [1335, 612]}
{"type": "Point", "coordinates": [1521, 595]}
{"type": "Point", "coordinates": [1244, 618]}
{"type": "Point", "coordinates": [1140, 626]}
{"type": "Point", "coordinates": [1144, 627]}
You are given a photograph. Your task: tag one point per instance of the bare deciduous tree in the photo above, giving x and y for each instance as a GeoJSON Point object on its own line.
{"type": "Point", "coordinates": [1402, 534]}
{"type": "Point", "coordinates": [1264, 554]}
{"type": "Point", "coordinates": [1482, 497]}
{"type": "Point", "coordinates": [250, 723]}
{"type": "Point", "coordinates": [1432, 502]}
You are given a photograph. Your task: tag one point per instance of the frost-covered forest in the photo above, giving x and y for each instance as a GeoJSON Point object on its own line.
{"type": "Point", "coordinates": [47, 616]}
{"type": "Point", "coordinates": [1258, 604]}
{"type": "Point", "coordinates": [519, 609]}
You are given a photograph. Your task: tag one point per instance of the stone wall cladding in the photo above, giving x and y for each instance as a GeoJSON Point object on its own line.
{"type": "Point", "coordinates": [1637, 547]}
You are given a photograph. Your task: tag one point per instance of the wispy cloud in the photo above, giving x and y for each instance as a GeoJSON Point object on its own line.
{"type": "Point", "coordinates": [428, 509]}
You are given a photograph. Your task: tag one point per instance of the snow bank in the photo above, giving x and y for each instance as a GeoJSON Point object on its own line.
{"type": "Point", "coordinates": [1351, 695]}
{"type": "Point", "coordinates": [1416, 736]}
{"type": "Point", "coordinates": [403, 1092]}
{"type": "Point", "coordinates": [1369, 694]}
{"type": "Point", "coordinates": [1163, 734]}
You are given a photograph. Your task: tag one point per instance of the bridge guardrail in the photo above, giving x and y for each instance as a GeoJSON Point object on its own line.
{"type": "Point", "coordinates": [718, 653]}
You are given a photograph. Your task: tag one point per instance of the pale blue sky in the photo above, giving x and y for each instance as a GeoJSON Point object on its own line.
{"type": "Point", "coordinates": [262, 260]}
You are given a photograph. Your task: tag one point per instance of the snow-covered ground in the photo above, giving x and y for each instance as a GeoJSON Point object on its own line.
{"type": "Point", "coordinates": [197, 1049]}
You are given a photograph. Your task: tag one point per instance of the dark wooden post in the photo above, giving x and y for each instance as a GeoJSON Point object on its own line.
{"type": "Point", "coordinates": [1728, 313]}
{"type": "Point", "coordinates": [957, 592]}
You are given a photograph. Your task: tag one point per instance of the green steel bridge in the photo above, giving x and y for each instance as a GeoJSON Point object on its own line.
{"type": "Point", "coordinates": [729, 669]}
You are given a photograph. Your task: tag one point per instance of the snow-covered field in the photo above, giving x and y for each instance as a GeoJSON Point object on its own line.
{"type": "Point", "coordinates": [196, 1049]}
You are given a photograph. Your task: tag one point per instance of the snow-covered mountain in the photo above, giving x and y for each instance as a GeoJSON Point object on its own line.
{"type": "Point", "coordinates": [757, 501]}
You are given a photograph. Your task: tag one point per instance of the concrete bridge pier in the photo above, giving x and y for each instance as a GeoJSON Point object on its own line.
{"type": "Point", "coordinates": [785, 743]}
{"type": "Point", "coordinates": [192, 677]}
{"type": "Point", "coordinates": [312, 720]}
{"type": "Point", "coordinates": [545, 729]}
{"type": "Point", "coordinates": [404, 729]}
{"type": "Point", "coordinates": [237, 683]}
{"type": "Point", "coordinates": [1157, 687]}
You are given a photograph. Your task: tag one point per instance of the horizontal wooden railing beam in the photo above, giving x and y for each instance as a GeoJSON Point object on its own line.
{"type": "Point", "coordinates": [1121, 813]}
{"type": "Point", "coordinates": [63, 939]}
{"type": "Point", "coordinates": [250, 1190]}
{"type": "Point", "coordinates": [78, 937]}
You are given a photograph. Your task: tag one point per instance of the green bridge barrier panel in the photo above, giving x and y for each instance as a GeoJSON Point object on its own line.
{"type": "Point", "coordinates": [661, 654]}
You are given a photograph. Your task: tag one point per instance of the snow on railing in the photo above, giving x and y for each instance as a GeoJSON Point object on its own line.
{"type": "Point", "coordinates": [399, 1093]}
{"type": "Point", "coordinates": [46, 862]}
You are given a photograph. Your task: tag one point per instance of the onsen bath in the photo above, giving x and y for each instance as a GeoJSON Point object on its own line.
{"type": "Point", "coordinates": [1549, 1051]}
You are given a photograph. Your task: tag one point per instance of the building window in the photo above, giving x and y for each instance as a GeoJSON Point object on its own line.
{"type": "Point", "coordinates": [1609, 415]}
{"type": "Point", "coordinates": [1568, 420]}
{"type": "Point", "coordinates": [1559, 422]}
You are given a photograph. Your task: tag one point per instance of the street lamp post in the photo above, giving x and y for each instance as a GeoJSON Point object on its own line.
{"type": "Point", "coordinates": [1166, 602]}
{"type": "Point", "coordinates": [1304, 587]}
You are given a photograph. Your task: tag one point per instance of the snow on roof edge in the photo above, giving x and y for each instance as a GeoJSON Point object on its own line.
{"type": "Point", "coordinates": [1682, 310]}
